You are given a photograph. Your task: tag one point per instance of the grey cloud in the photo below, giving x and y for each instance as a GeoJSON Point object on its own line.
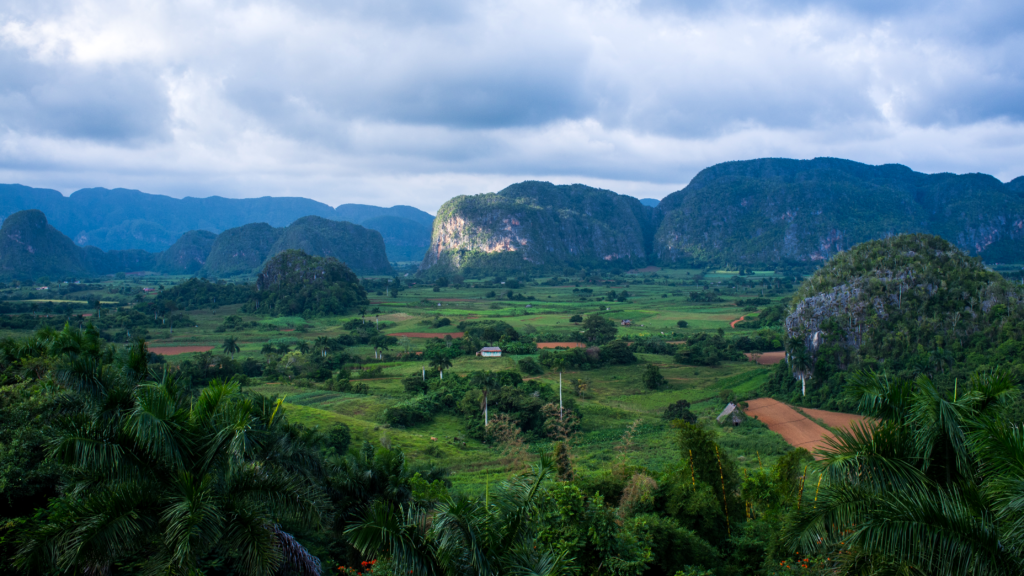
{"type": "Point", "coordinates": [651, 92]}
{"type": "Point", "coordinates": [103, 103]}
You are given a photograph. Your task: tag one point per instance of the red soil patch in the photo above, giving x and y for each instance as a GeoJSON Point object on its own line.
{"type": "Point", "coordinates": [451, 299]}
{"type": "Point", "coordinates": [768, 358]}
{"type": "Point", "coordinates": [795, 428]}
{"type": "Point", "coordinates": [737, 321]}
{"type": "Point", "coordinates": [175, 350]}
{"type": "Point", "coordinates": [561, 345]}
{"type": "Point", "coordinates": [836, 419]}
{"type": "Point", "coordinates": [429, 334]}
{"type": "Point", "coordinates": [287, 329]}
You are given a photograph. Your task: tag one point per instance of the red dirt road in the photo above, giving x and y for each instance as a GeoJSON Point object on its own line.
{"type": "Point", "coordinates": [429, 334]}
{"type": "Point", "coordinates": [795, 428]}
{"type": "Point", "coordinates": [175, 350]}
{"type": "Point", "coordinates": [737, 321]}
{"type": "Point", "coordinates": [769, 358]}
{"type": "Point", "coordinates": [561, 345]}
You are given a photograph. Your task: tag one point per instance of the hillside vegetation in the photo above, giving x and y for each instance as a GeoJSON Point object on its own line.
{"type": "Point", "coordinates": [31, 249]}
{"type": "Point", "coordinates": [294, 283]}
{"type": "Point", "coordinates": [770, 212]}
{"type": "Point", "coordinates": [123, 219]}
{"type": "Point", "coordinates": [909, 305]}
{"type": "Point", "coordinates": [537, 225]}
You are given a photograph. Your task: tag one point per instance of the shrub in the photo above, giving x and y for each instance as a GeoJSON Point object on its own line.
{"type": "Point", "coordinates": [680, 411]}
{"type": "Point", "coordinates": [598, 330]}
{"type": "Point", "coordinates": [530, 367]}
{"type": "Point", "coordinates": [411, 412]}
{"type": "Point", "coordinates": [652, 378]}
{"type": "Point", "coordinates": [338, 437]}
{"type": "Point", "coordinates": [618, 352]}
{"type": "Point", "coordinates": [576, 318]}
{"type": "Point", "coordinates": [415, 383]}
{"type": "Point", "coordinates": [682, 324]}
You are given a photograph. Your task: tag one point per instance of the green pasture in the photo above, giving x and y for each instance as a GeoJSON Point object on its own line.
{"type": "Point", "coordinates": [614, 401]}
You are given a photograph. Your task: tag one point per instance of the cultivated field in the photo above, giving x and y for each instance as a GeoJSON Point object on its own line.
{"type": "Point", "coordinates": [796, 428]}
{"type": "Point", "coordinates": [614, 399]}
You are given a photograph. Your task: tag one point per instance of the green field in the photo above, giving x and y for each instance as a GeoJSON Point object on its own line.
{"type": "Point", "coordinates": [615, 399]}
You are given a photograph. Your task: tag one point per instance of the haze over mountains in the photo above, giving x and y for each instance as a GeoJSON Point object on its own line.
{"type": "Point", "coordinates": [31, 248]}
{"type": "Point", "coordinates": [767, 212]}
{"type": "Point", "coordinates": [123, 219]}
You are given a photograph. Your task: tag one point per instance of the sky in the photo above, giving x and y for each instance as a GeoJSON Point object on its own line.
{"type": "Point", "coordinates": [416, 101]}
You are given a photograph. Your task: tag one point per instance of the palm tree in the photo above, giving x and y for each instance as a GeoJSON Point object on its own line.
{"type": "Point", "coordinates": [175, 480]}
{"type": "Point", "coordinates": [936, 486]}
{"type": "Point", "coordinates": [559, 362]}
{"type": "Point", "coordinates": [461, 534]}
{"type": "Point", "coordinates": [231, 346]}
{"type": "Point", "coordinates": [439, 363]}
{"type": "Point", "coordinates": [303, 346]}
{"type": "Point", "coordinates": [267, 348]}
{"type": "Point", "coordinates": [323, 344]}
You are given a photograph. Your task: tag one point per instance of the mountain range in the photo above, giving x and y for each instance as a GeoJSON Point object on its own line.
{"type": "Point", "coordinates": [767, 212]}
{"type": "Point", "coordinates": [121, 219]}
{"type": "Point", "coordinates": [31, 248]}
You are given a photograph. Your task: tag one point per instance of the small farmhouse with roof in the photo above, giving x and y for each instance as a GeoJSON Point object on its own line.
{"type": "Point", "coordinates": [489, 352]}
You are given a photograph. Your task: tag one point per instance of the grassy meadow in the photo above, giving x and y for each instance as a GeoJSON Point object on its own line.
{"type": "Point", "coordinates": [615, 400]}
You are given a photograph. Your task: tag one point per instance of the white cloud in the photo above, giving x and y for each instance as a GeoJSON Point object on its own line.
{"type": "Point", "coordinates": [414, 102]}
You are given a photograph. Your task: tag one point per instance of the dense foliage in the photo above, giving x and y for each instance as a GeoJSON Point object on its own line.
{"type": "Point", "coordinates": [910, 305]}
{"type": "Point", "coordinates": [294, 283]}
{"type": "Point", "coordinates": [934, 486]}
{"type": "Point", "coordinates": [197, 294]}
{"type": "Point", "coordinates": [807, 211]}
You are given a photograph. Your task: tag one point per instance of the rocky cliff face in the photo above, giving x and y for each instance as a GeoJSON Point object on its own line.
{"type": "Point", "coordinates": [538, 224]}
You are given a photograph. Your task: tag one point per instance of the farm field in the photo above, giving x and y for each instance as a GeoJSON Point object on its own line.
{"type": "Point", "coordinates": [795, 427]}
{"type": "Point", "coordinates": [658, 305]}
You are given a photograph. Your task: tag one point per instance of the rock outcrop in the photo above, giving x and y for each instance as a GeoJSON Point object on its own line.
{"type": "Point", "coordinates": [540, 225]}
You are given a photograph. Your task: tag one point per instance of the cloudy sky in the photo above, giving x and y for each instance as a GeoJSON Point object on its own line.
{"type": "Point", "coordinates": [414, 101]}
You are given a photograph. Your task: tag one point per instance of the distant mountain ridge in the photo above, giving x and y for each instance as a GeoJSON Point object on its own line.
{"type": "Point", "coordinates": [30, 248]}
{"type": "Point", "coordinates": [776, 210]}
{"type": "Point", "coordinates": [765, 212]}
{"type": "Point", "coordinates": [122, 219]}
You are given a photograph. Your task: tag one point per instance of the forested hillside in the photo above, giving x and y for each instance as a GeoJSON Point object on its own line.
{"type": "Point", "coordinates": [122, 219]}
{"type": "Point", "coordinates": [31, 249]}
{"type": "Point", "coordinates": [766, 213]}
{"type": "Point", "coordinates": [910, 305]}
{"type": "Point", "coordinates": [776, 210]}
{"type": "Point", "coordinates": [245, 249]}
{"type": "Point", "coordinates": [537, 225]}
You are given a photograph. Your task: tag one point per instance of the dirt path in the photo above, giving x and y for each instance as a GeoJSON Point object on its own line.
{"type": "Point", "coordinates": [737, 321]}
{"type": "Point", "coordinates": [795, 428]}
{"type": "Point", "coordinates": [769, 359]}
{"type": "Point", "coordinates": [543, 345]}
{"type": "Point", "coordinates": [429, 334]}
